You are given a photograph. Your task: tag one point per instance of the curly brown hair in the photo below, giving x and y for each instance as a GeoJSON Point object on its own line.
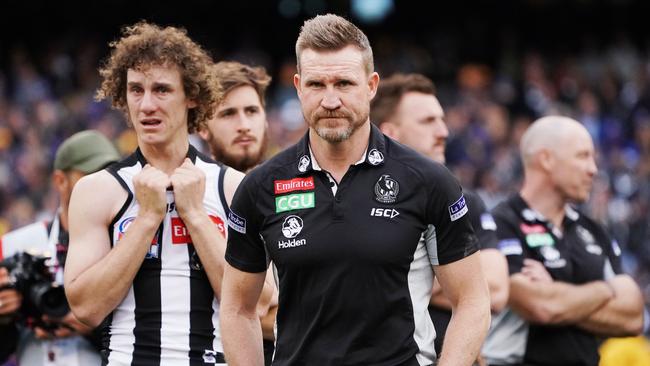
{"type": "Point", "coordinates": [143, 45]}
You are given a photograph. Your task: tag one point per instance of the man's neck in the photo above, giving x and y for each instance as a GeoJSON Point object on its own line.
{"type": "Point", "coordinates": [336, 158]}
{"type": "Point", "coordinates": [543, 198]}
{"type": "Point", "coordinates": [166, 157]}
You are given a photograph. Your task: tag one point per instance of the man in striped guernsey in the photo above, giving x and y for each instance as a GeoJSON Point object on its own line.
{"type": "Point", "coordinates": [147, 238]}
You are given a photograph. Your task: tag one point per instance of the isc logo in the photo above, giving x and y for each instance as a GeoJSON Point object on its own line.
{"type": "Point", "coordinates": [384, 212]}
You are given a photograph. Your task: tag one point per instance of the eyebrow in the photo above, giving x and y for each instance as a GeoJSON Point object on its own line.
{"type": "Point", "coordinates": [155, 84]}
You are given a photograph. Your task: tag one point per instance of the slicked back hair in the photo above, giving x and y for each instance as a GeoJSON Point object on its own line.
{"type": "Point", "coordinates": [331, 32]}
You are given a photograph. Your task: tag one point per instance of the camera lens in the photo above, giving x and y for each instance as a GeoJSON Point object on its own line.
{"type": "Point", "coordinates": [49, 299]}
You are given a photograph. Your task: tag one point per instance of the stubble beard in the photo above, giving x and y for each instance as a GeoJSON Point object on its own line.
{"type": "Point", "coordinates": [337, 135]}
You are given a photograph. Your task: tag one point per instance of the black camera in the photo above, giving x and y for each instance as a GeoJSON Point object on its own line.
{"type": "Point", "coordinates": [32, 278]}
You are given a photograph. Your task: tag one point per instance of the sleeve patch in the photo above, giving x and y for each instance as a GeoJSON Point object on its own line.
{"type": "Point", "coordinates": [616, 248]}
{"type": "Point", "coordinates": [510, 247]}
{"type": "Point", "coordinates": [458, 209]}
{"type": "Point", "coordinates": [236, 222]}
{"type": "Point", "coordinates": [487, 222]}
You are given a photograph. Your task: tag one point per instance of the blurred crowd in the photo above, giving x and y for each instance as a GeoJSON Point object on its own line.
{"type": "Point", "coordinates": [47, 98]}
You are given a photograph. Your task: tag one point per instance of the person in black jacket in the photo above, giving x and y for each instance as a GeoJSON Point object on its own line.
{"type": "Point", "coordinates": [567, 288]}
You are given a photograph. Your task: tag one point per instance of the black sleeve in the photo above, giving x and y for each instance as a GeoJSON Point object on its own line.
{"type": "Point", "coordinates": [245, 250]}
{"type": "Point", "coordinates": [508, 239]}
{"type": "Point", "coordinates": [482, 221]}
{"type": "Point", "coordinates": [450, 236]}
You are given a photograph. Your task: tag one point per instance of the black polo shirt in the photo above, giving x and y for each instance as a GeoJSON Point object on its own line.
{"type": "Point", "coordinates": [485, 229]}
{"type": "Point", "coordinates": [582, 252]}
{"type": "Point", "coordinates": [354, 267]}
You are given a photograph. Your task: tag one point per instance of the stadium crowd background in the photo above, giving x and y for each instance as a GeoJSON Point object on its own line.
{"type": "Point", "coordinates": [497, 66]}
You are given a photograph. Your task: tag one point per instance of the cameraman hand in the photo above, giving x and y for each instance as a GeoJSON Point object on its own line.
{"type": "Point", "coordinates": [10, 299]}
{"type": "Point", "coordinates": [64, 327]}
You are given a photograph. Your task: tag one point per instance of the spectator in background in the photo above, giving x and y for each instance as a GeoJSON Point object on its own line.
{"type": "Point", "coordinates": [65, 341]}
{"type": "Point", "coordinates": [406, 109]}
{"type": "Point", "coordinates": [566, 283]}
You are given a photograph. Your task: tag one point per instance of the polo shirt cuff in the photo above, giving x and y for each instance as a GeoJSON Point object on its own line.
{"type": "Point", "coordinates": [457, 256]}
{"type": "Point", "coordinates": [245, 266]}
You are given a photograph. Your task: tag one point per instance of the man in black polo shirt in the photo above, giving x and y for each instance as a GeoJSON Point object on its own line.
{"type": "Point", "coordinates": [354, 222]}
{"type": "Point", "coordinates": [406, 109]}
{"type": "Point", "coordinates": [566, 284]}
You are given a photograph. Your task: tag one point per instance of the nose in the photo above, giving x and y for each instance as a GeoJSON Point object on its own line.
{"type": "Point", "coordinates": [592, 169]}
{"type": "Point", "coordinates": [147, 103]}
{"type": "Point", "coordinates": [244, 123]}
{"type": "Point", "coordinates": [441, 130]}
{"type": "Point", "coordinates": [330, 100]}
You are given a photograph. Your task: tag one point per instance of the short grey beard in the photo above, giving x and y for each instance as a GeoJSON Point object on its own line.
{"type": "Point", "coordinates": [334, 137]}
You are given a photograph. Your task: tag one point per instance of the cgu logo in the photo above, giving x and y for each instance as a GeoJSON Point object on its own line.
{"type": "Point", "coordinates": [294, 202]}
{"type": "Point", "coordinates": [384, 212]}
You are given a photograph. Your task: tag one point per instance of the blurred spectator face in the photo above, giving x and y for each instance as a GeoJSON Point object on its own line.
{"type": "Point", "coordinates": [419, 123]}
{"type": "Point", "coordinates": [335, 91]}
{"type": "Point", "coordinates": [236, 134]}
{"type": "Point", "coordinates": [157, 104]}
{"type": "Point", "coordinates": [573, 166]}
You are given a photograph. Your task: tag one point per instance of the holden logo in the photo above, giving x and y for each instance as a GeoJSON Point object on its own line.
{"type": "Point", "coordinates": [550, 253]}
{"type": "Point", "coordinates": [386, 189]}
{"type": "Point", "coordinates": [292, 226]}
{"type": "Point", "coordinates": [375, 157]}
{"type": "Point", "coordinates": [303, 163]}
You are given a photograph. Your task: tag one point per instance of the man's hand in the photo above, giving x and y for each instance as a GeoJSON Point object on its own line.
{"type": "Point", "coordinates": [10, 299]}
{"type": "Point", "coordinates": [60, 328]}
{"type": "Point", "coordinates": [536, 271]}
{"type": "Point", "coordinates": [189, 188]}
{"type": "Point", "coordinates": [150, 186]}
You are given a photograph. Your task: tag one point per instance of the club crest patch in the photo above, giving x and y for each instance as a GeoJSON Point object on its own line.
{"type": "Point", "coordinates": [303, 163]}
{"type": "Point", "coordinates": [386, 189]}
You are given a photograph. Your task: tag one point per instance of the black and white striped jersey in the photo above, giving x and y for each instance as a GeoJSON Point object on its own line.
{"type": "Point", "coordinates": [170, 315]}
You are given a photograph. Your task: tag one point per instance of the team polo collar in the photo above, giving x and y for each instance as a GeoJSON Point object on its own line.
{"type": "Point", "coordinates": [191, 153]}
{"type": "Point", "coordinates": [530, 215]}
{"type": "Point", "coordinates": [374, 155]}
